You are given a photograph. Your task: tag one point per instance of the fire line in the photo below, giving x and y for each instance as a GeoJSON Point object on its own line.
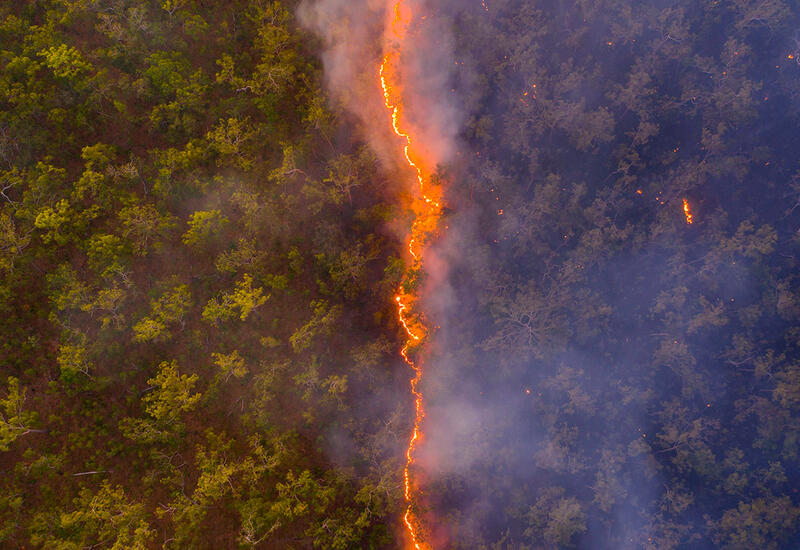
{"type": "Point", "coordinates": [427, 212]}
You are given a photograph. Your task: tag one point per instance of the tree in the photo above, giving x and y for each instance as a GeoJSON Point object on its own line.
{"type": "Point", "coordinates": [65, 61]}
{"type": "Point", "coordinates": [231, 364]}
{"type": "Point", "coordinates": [172, 393]}
{"type": "Point", "coordinates": [73, 357]}
{"type": "Point", "coordinates": [14, 421]}
{"type": "Point", "coordinates": [347, 172]}
{"type": "Point", "coordinates": [105, 253]}
{"type": "Point", "coordinates": [555, 520]}
{"type": "Point", "coordinates": [112, 128]}
{"type": "Point", "coordinates": [55, 223]}
{"type": "Point", "coordinates": [144, 226]}
{"type": "Point", "coordinates": [169, 395]}
{"type": "Point", "coordinates": [108, 306]}
{"type": "Point", "coordinates": [204, 227]}
{"type": "Point", "coordinates": [169, 309]}
{"type": "Point", "coordinates": [763, 523]}
{"type": "Point", "coordinates": [241, 302]}
{"type": "Point", "coordinates": [322, 321]}
{"type": "Point", "coordinates": [230, 139]}
{"type": "Point", "coordinates": [246, 257]}
{"type": "Point", "coordinates": [12, 242]}
{"type": "Point", "coordinates": [104, 518]}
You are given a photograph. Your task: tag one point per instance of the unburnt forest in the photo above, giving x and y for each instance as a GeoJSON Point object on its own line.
{"type": "Point", "coordinates": [196, 283]}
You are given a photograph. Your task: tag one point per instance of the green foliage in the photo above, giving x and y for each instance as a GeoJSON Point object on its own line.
{"type": "Point", "coordinates": [113, 127]}
{"type": "Point", "coordinates": [230, 139]}
{"type": "Point", "coordinates": [323, 318]}
{"type": "Point", "coordinates": [166, 73]}
{"type": "Point", "coordinates": [240, 303]}
{"type": "Point", "coordinates": [144, 226]}
{"type": "Point", "coordinates": [169, 309]}
{"type": "Point", "coordinates": [67, 291]}
{"type": "Point", "coordinates": [105, 252]}
{"type": "Point", "coordinates": [204, 227]}
{"type": "Point", "coordinates": [14, 421]}
{"type": "Point", "coordinates": [231, 364]}
{"type": "Point", "coordinates": [171, 6]}
{"type": "Point", "coordinates": [14, 241]}
{"type": "Point", "coordinates": [172, 393]}
{"type": "Point", "coordinates": [98, 156]}
{"type": "Point", "coordinates": [347, 172]}
{"type": "Point", "coordinates": [65, 61]}
{"type": "Point", "coordinates": [73, 358]}
{"type": "Point", "coordinates": [54, 223]}
{"type": "Point", "coordinates": [108, 306]}
{"type": "Point", "coordinates": [247, 256]}
{"type": "Point", "coordinates": [179, 91]}
{"type": "Point", "coordinates": [105, 517]}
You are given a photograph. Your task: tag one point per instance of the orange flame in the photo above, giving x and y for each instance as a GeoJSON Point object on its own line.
{"type": "Point", "coordinates": [427, 213]}
{"type": "Point", "coordinates": [688, 212]}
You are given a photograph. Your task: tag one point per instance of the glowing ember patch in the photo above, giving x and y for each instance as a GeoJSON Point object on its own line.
{"type": "Point", "coordinates": [688, 212]}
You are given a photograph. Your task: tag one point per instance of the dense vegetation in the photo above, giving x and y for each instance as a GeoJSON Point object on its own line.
{"type": "Point", "coordinates": [196, 281]}
{"type": "Point", "coordinates": [198, 256]}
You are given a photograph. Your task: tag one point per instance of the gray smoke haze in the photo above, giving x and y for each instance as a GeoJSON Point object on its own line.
{"type": "Point", "coordinates": [356, 35]}
{"type": "Point", "coordinates": [350, 32]}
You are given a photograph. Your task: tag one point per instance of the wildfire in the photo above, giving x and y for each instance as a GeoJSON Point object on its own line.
{"type": "Point", "coordinates": [688, 212]}
{"type": "Point", "coordinates": [427, 212]}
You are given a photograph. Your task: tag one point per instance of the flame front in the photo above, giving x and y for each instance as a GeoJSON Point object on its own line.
{"type": "Point", "coordinates": [427, 211]}
{"type": "Point", "coordinates": [688, 212]}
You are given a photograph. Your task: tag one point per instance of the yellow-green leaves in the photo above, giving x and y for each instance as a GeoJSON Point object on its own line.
{"type": "Point", "coordinates": [104, 253]}
{"type": "Point", "coordinates": [67, 291]}
{"type": "Point", "coordinates": [204, 226]}
{"type": "Point", "coordinates": [73, 358]}
{"type": "Point", "coordinates": [171, 6]}
{"type": "Point", "coordinates": [107, 306]}
{"type": "Point", "coordinates": [229, 138]}
{"type": "Point", "coordinates": [321, 322]}
{"type": "Point", "coordinates": [168, 310]}
{"type": "Point", "coordinates": [244, 257]}
{"type": "Point", "coordinates": [65, 61]}
{"type": "Point", "coordinates": [231, 364]}
{"type": "Point", "coordinates": [169, 395]}
{"type": "Point", "coordinates": [239, 303]}
{"type": "Point", "coordinates": [144, 226]}
{"type": "Point", "coordinates": [12, 242]}
{"type": "Point", "coordinates": [172, 393]}
{"type": "Point", "coordinates": [51, 220]}
{"type": "Point", "coordinates": [105, 518]}
{"type": "Point", "coordinates": [14, 422]}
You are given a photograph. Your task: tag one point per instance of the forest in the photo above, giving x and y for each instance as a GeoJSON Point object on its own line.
{"type": "Point", "coordinates": [203, 229]}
